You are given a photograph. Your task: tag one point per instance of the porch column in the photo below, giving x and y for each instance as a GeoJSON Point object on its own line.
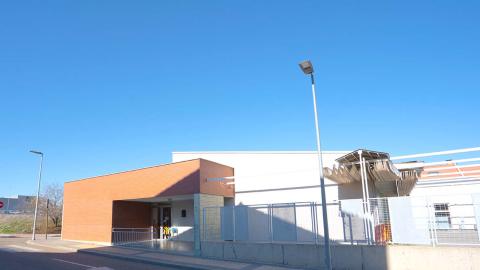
{"type": "Point", "coordinates": [196, 223]}
{"type": "Point", "coordinates": [200, 201]}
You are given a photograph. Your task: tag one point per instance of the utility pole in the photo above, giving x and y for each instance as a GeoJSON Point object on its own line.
{"type": "Point", "coordinates": [46, 221]}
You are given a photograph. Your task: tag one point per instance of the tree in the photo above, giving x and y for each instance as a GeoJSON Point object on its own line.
{"type": "Point", "coordinates": [54, 194]}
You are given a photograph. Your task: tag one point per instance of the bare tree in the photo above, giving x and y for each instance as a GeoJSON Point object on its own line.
{"type": "Point", "coordinates": [54, 194]}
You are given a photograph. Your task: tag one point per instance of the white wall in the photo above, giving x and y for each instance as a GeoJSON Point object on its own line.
{"type": "Point", "coordinates": [273, 177]}
{"type": "Point", "coordinates": [447, 189]}
{"type": "Point", "coordinates": [458, 194]}
{"type": "Point", "coordinates": [184, 224]}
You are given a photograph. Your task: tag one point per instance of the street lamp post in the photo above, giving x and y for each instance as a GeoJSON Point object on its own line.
{"type": "Point", "coordinates": [38, 191]}
{"type": "Point", "coordinates": [307, 68]}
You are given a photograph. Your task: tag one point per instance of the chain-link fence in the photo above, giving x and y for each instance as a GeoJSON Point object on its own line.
{"type": "Point", "coordinates": [436, 220]}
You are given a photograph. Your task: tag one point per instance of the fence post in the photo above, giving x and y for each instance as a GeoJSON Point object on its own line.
{"type": "Point", "coordinates": [317, 227]}
{"type": "Point", "coordinates": [314, 222]}
{"type": "Point", "coordinates": [430, 225]}
{"type": "Point", "coordinates": [270, 221]}
{"type": "Point", "coordinates": [434, 226]}
{"type": "Point", "coordinates": [431, 221]}
{"type": "Point", "coordinates": [295, 219]}
{"type": "Point", "coordinates": [233, 218]}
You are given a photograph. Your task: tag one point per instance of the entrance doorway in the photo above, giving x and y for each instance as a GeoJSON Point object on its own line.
{"type": "Point", "coordinates": [161, 216]}
{"type": "Point", "coordinates": [166, 216]}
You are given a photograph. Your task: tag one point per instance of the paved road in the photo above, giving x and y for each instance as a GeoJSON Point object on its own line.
{"type": "Point", "coordinates": [15, 254]}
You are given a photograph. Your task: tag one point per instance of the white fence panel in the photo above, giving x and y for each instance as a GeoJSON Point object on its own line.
{"type": "Point", "coordinates": [404, 220]}
{"type": "Point", "coordinates": [409, 220]}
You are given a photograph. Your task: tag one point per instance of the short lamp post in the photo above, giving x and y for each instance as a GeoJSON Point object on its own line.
{"type": "Point", "coordinates": [38, 191]}
{"type": "Point", "coordinates": [307, 68]}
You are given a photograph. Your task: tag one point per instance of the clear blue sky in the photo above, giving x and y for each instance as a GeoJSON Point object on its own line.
{"type": "Point", "coordinates": [105, 86]}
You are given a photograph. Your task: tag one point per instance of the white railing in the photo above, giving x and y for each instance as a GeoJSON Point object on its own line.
{"type": "Point", "coordinates": [121, 236]}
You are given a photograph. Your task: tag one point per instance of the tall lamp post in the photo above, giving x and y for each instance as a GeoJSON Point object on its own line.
{"type": "Point", "coordinates": [38, 191]}
{"type": "Point", "coordinates": [307, 68]}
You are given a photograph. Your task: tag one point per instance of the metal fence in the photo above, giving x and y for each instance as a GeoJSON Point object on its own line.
{"type": "Point", "coordinates": [436, 220]}
{"type": "Point", "coordinates": [122, 236]}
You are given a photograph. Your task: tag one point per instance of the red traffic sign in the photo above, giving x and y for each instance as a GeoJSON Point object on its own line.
{"type": "Point", "coordinates": [1, 204]}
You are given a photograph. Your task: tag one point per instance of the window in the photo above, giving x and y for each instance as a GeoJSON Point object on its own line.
{"type": "Point", "coordinates": [184, 213]}
{"type": "Point", "coordinates": [442, 216]}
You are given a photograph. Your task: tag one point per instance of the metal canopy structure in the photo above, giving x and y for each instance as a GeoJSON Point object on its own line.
{"type": "Point", "coordinates": [375, 167]}
{"type": "Point", "coordinates": [354, 157]}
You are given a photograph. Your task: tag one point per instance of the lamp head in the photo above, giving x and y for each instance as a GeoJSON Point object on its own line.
{"type": "Point", "coordinates": [306, 67]}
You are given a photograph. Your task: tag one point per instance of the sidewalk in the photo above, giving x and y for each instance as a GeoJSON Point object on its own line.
{"type": "Point", "coordinates": [14, 235]}
{"type": "Point", "coordinates": [57, 243]}
{"type": "Point", "coordinates": [145, 256]}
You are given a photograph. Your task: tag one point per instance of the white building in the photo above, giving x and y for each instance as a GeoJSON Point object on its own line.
{"type": "Point", "coordinates": [444, 199]}
{"type": "Point", "coordinates": [266, 177]}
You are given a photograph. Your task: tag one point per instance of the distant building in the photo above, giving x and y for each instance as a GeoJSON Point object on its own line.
{"type": "Point", "coordinates": [20, 204]}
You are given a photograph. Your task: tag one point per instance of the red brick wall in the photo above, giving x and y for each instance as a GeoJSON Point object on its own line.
{"type": "Point", "coordinates": [210, 169]}
{"type": "Point", "coordinates": [131, 214]}
{"type": "Point", "coordinates": [88, 203]}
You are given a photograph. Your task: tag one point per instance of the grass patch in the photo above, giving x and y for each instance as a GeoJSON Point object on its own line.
{"type": "Point", "coordinates": [21, 223]}
{"type": "Point", "coordinates": [16, 224]}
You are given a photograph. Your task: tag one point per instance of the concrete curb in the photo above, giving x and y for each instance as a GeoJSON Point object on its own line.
{"type": "Point", "coordinates": [130, 258]}
{"type": "Point", "coordinates": [33, 243]}
{"type": "Point", "coordinates": [176, 253]}
{"type": "Point", "coordinates": [146, 260]}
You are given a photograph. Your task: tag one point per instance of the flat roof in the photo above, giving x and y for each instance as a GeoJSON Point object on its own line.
{"type": "Point", "coordinates": [258, 152]}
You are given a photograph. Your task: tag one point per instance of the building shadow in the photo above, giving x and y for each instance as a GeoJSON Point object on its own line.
{"type": "Point", "coordinates": [278, 234]}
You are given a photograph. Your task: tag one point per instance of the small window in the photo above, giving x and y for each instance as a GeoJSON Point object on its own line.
{"type": "Point", "coordinates": [442, 216]}
{"type": "Point", "coordinates": [184, 213]}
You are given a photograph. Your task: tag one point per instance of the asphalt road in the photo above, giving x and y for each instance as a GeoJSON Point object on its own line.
{"type": "Point", "coordinates": [15, 254]}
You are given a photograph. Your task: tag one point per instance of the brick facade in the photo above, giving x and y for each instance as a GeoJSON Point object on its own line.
{"type": "Point", "coordinates": [93, 206]}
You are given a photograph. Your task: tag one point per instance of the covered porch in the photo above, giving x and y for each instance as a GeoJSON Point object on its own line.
{"type": "Point", "coordinates": [133, 206]}
{"type": "Point", "coordinates": [152, 214]}
{"type": "Point", "coordinates": [139, 223]}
